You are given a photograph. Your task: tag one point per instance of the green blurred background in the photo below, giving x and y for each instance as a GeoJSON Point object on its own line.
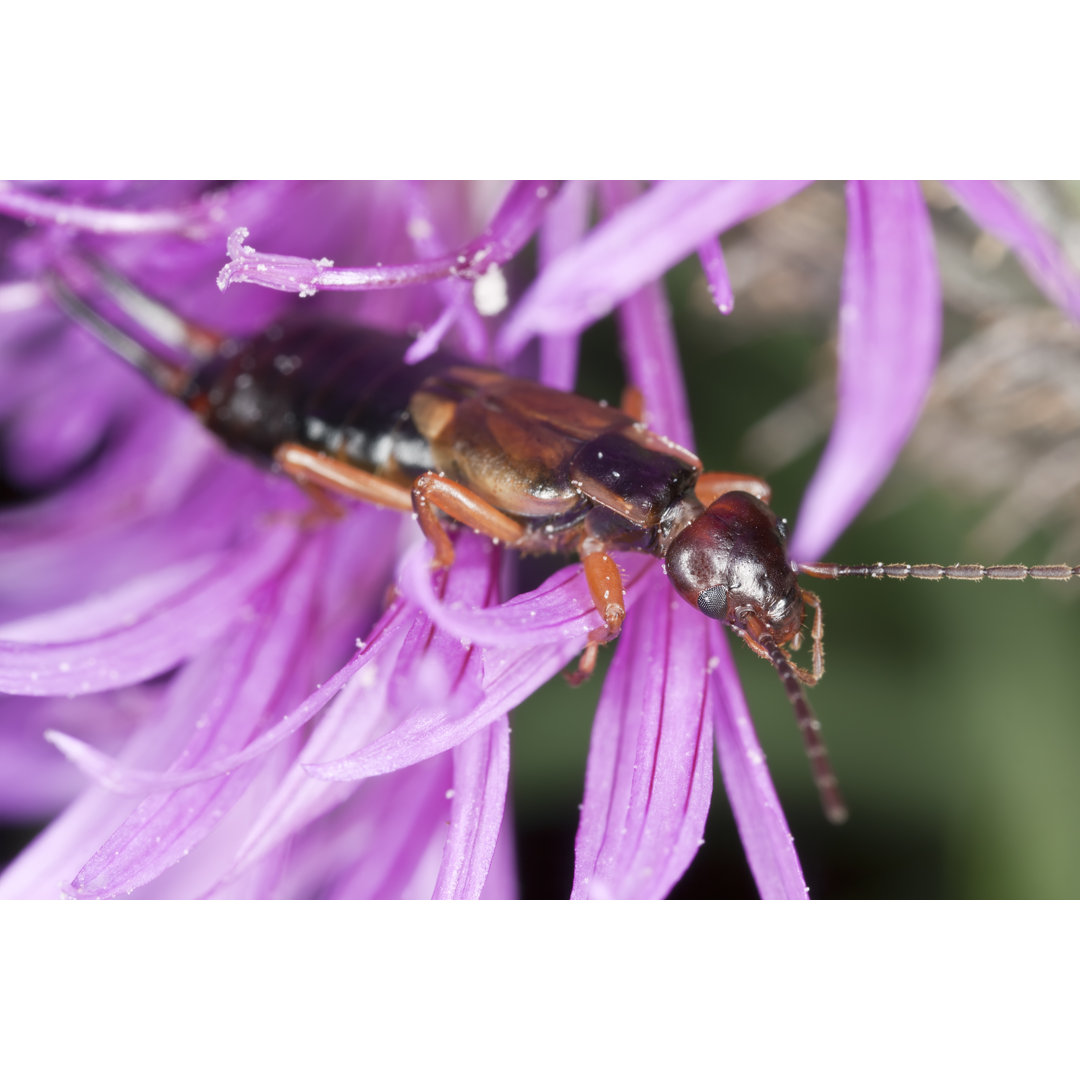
{"type": "Point", "coordinates": [949, 708]}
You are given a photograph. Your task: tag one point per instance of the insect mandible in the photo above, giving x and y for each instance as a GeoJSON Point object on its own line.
{"type": "Point", "coordinates": [334, 406]}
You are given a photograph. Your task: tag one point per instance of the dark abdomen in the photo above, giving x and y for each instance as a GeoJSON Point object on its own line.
{"type": "Point", "coordinates": [328, 385]}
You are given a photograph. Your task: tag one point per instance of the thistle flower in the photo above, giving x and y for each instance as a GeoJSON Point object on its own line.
{"type": "Point", "coordinates": [187, 637]}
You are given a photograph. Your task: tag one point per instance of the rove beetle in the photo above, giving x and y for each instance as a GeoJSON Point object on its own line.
{"type": "Point", "coordinates": [334, 406]}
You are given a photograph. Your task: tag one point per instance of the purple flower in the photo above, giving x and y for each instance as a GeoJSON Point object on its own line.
{"type": "Point", "coordinates": [176, 623]}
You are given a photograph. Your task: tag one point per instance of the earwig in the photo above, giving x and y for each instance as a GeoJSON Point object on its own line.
{"type": "Point", "coordinates": [334, 406]}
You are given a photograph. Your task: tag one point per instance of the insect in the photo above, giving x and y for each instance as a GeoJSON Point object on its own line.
{"type": "Point", "coordinates": [333, 405]}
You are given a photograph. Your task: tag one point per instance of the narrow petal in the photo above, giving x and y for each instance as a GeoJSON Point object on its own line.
{"type": "Point", "coordinates": [384, 842]}
{"type": "Point", "coordinates": [649, 778]}
{"type": "Point", "coordinates": [997, 210]}
{"type": "Point", "coordinates": [716, 275]}
{"type": "Point", "coordinates": [233, 689]}
{"type": "Point", "coordinates": [481, 772]}
{"type": "Point", "coordinates": [890, 329]}
{"type": "Point", "coordinates": [133, 634]}
{"type": "Point", "coordinates": [407, 811]}
{"type": "Point", "coordinates": [30, 207]}
{"type": "Point", "coordinates": [425, 229]}
{"type": "Point", "coordinates": [766, 838]}
{"type": "Point", "coordinates": [514, 222]}
{"type": "Point", "coordinates": [432, 337]}
{"type": "Point", "coordinates": [648, 342]}
{"type": "Point", "coordinates": [561, 230]}
{"type": "Point", "coordinates": [35, 783]}
{"type": "Point", "coordinates": [635, 247]}
{"type": "Point", "coordinates": [560, 609]}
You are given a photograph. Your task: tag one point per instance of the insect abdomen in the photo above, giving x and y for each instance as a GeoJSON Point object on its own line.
{"type": "Point", "coordinates": [331, 386]}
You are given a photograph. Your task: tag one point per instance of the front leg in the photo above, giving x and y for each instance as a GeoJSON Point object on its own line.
{"type": "Point", "coordinates": [606, 589]}
{"type": "Point", "coordinates": [431, 492]}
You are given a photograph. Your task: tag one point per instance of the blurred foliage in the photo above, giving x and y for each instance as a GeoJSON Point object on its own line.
{"type": "Point", "coordinates": [949, 708]}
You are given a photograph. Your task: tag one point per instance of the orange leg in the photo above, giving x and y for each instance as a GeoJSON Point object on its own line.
{"type": "Point", "coordinates": [312, 470]}
{"type": "Point", "coordinates": [432, 492]}
{"type": "Point", "coordinates": [606, 589]}
{"type": "Point", "coordinates": [632, 403]}
{"type": "Point", "coordinates": [711, 485]}
{"type": "Point", "coordinates": [605, 586]}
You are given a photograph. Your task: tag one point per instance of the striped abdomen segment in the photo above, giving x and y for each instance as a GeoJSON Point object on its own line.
{"type": "Point", "coordinates": [332, 386]}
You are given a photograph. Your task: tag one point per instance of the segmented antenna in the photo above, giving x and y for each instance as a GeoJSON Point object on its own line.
{"type": "Point", "coordinates": [151, 338]}
{"type": "Point", "coordinates": [937, 572]}
{"type": "Point", "coordinates": [824, 776]}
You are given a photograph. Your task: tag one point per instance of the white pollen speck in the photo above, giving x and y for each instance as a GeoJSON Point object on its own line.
{"type": "Point", "coordinates": [489, 291]}
{"type": "Point", "coordinates": [450, 793]}
{"type": "Point", "coordinates": [713, 664]}
{"type": "Point", "coordinates": [261, 268]}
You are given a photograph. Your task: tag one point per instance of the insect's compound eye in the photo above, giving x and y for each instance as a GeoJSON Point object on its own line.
{"type": "Point", "coordinates": [713, 602]}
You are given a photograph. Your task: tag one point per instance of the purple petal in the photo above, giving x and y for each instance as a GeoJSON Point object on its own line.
{"type": "Point", "coordinates": [634, 247]}
{"type": "Point", "coordinates": [34, 782]}
{"type": "Point", "coordinates": [649, 777]}
{"type": "Point", "coordinates": [230, 690]}
{"type": "Point", "coordinates": [481, 772]}
{"type": "Point", "coordinates": [407, 812]}
{"type": "Point", "coordinates": [716, 275]}
{"type": "Point", "coordinates": [514, 222]}
{"type": "Point", "coordinates": [31, 208]}
{"type": "Point", "coordinates": [355, 716]}
{"type": "Point", "coordinates": [384, 842]}
{"type": "Point", "coordinates": [997, 211]}
{"type": "Point", "coordinates": [561, 230]}
{"type": "Point", "coordinates": [560, 609]}
{"type": "Point", "coordinates": [431, 338]}
{"type": "Point", "coordinates": [509, 676]}
{"type": "Point", "coordinates": [890, 328]}
{"type": "Point", "coordinates": [648, 342]}
{"type": "Point", "coordinates": [766, 838]}
{"type": "Point", "coordinates": [133, 634]}
{"type": "Point", "coordinates": [426, 230]}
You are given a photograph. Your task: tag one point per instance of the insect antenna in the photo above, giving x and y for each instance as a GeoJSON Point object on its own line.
{"type": "Point", "coordinates": [938, 572]}
{"type": "Point", "coordinates": [824, 776]}
{"type": "Point", "coordinates": [151, 338]}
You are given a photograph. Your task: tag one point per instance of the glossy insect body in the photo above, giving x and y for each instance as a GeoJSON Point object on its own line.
{"type": "Point", "coordinates": [561, 467]}
{"type": "Point", "coordinates": [335, 407]}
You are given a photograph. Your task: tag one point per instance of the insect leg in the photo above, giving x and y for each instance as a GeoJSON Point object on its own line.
{"type": "Point", "coordinates": [632, 403]}
{"type": "Point", "coordinates": [817, 641]}
{"type": "Point", "coordinates": [606, 588]}
{"type": "Point", "coordinates": [431, 491]}
{"type": "Point", "coordinates": [313, 470]}
{"type": "Point", "coordinates": [711, 485]}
